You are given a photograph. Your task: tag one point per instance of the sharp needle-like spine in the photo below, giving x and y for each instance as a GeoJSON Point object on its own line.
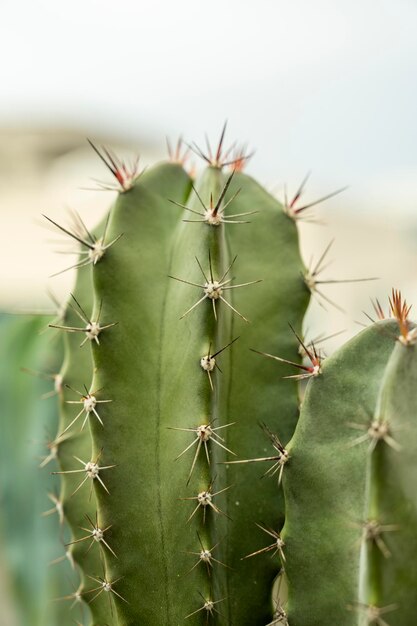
{"type": "Point", "coordinates": [107, 586]}
{"type": "Point", "coordinates": [277, 546]}
{"type": "Point", "coordinates": [89, 402]}
{"type": "Point", "coordinates": [377, 431]}
{"type": "Point", "coordinates": [213, 213]}
{"type": "Point", "coordinates": [92, 470]}
{"type": "Point", "coordinates": [373, 614]}
{"type": "Point", "coordinates": [205, 499]}
{"type": "Point", "coordinates": [125, 174]}
{"type": "Point", "coordinates": [96, 535]}
{"type": "Point", "coordinates": [209, 606]}
{"type": "Point", "coordinates": [205, 556]}
{"type": "Point", "coordinates": [208, 362]}
{"type": "Point", "coordinates": [311, 279]}
{"type": "Point", "coordinates": [302, 212]}
{"type": "Point", "coordinates": [213, 288]}
{"type": "Point", "coordinates": [92, 328]}
{"type": "Point", "coordinates": [204, 433]}
{"type": "Point", "coordinates": [93, 248]}
{"type": "Point", "coordinates": [279, 460]}
{"type": "Point", "coordinates": [309, 371]}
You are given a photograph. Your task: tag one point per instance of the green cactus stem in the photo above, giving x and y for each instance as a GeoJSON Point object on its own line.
{"type": "Point", "coordinates": [199, 276]}
{"type": "Point", "coordinates": [350, 521]}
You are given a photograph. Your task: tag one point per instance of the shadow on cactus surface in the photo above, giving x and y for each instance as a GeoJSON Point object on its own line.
{"type": "Point", "coordinates": [180, 391]}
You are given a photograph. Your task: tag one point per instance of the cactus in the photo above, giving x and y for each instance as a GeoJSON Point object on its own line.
{"type": "Point", "coordinates": [173, 394]}
{"type": "Point", "coordinates": [349, 534]}
{"type": "Point", "coordinates": [28, 536]}
{"type": "Point", "coordinates": [164, 387]}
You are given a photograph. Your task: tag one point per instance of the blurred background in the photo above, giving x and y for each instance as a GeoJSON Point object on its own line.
{"type": "Point", "coordinates": [324, 86]}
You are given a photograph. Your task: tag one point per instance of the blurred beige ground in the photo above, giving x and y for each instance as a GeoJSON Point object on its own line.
{"type": "Point", "coordinates": [49, 171]}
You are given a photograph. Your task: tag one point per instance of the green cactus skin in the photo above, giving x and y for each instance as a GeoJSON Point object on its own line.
{"type": "Point", "coordinates": [149, 367]}
{"type": "Point", "coordinates": [340, 479]}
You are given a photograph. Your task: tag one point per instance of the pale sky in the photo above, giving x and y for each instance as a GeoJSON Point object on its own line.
{"type": "Point", "coordinates": [327, 85]}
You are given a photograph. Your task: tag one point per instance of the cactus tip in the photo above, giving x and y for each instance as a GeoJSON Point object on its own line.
{"type": "Point", "coordinates": [125, 174]}
{"type": "Point", "coordinates": [400, 310]}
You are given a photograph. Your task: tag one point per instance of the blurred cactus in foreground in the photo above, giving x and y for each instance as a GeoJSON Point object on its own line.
{"type": "Point", "coordinates": [27, 541]}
